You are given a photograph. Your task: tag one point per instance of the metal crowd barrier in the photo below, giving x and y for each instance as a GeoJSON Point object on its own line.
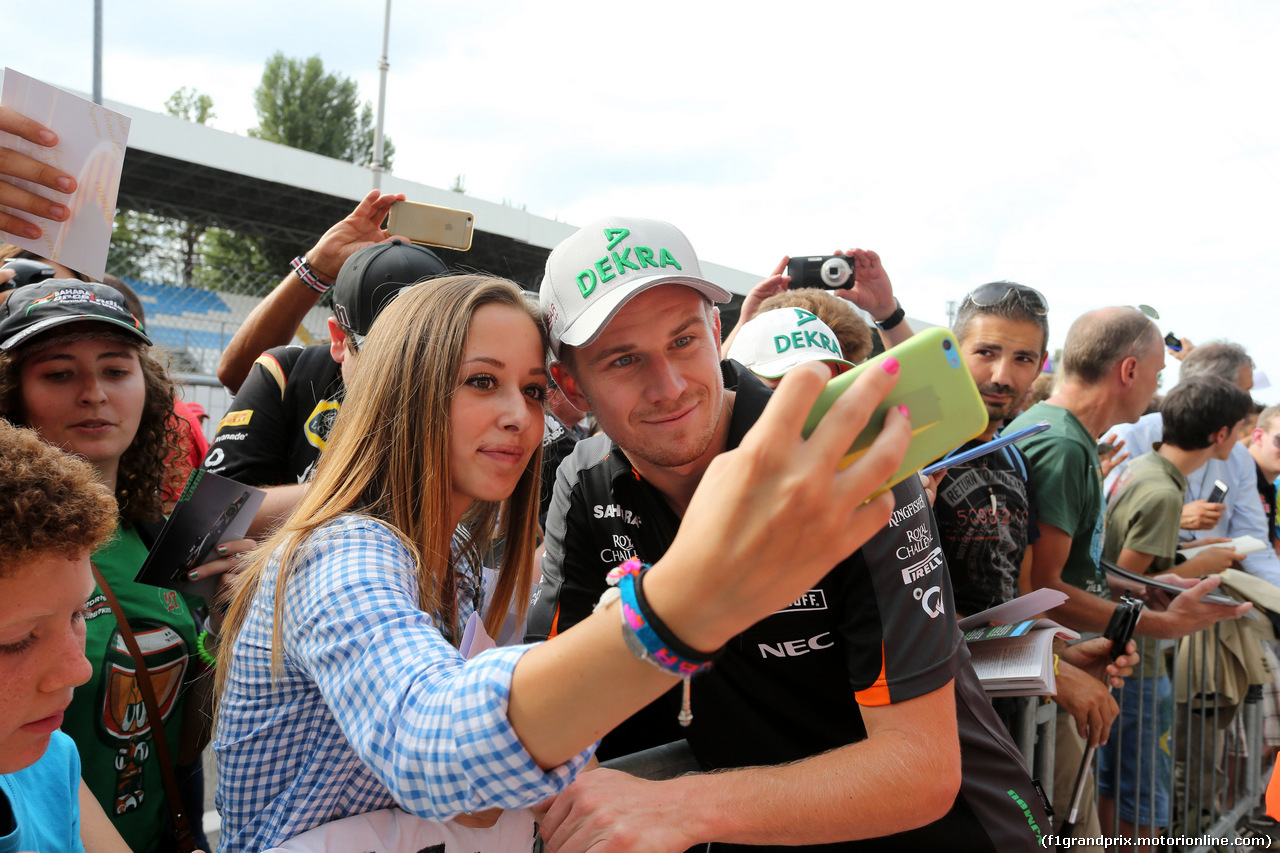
{"type": "Point", "coordinates": [1217, 772]}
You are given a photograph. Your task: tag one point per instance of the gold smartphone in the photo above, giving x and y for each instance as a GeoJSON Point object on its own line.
{"type": "Point", "coordinates": [431, 225]}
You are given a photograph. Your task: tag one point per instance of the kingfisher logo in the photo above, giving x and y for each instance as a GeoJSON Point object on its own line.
{"type": "Point", "coordinates": [903, 513]}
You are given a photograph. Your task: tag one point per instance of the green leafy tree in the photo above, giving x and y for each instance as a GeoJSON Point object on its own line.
{"type": "Point", "coordinates": [147, 246]}
{"type": "Point", "coordinates": [234, 262]}
{"type": "Point", "coordinates": [190, 105]}
{"type": "Point", "coordinates": [302, 106]}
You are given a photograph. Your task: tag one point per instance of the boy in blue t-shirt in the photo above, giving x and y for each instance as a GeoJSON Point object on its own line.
{"type": "Point", "coordinates": [59, 514]}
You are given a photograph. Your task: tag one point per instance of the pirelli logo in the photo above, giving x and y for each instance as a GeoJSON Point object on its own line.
{"type": "Point", "coordinates": [236, 419]}
{"type": "Point", "coordinates": [916, 571]}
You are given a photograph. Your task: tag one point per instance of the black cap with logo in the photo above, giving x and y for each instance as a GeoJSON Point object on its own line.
{"type": "Point", "coordinates": [36, 308]}
{"type": "Point", "coordinates": [375, 275]}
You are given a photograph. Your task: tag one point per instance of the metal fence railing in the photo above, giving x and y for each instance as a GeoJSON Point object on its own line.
{"type": "Point", "coordinates": [1208, 753]}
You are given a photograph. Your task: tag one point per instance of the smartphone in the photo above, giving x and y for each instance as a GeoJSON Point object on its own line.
{"type": "Point", "coordinates": [431, 225]}
{"type": "Point", "coordinates": [1123, 620]}
{"type": "Point", "coordinates": [1219, 492]}
{"type": "Point", "coordinates": [983, 449]}
{"type": "Point", "coordinates": [1173, 342]}
{"type": "Point", "coordinates": [946, 408]}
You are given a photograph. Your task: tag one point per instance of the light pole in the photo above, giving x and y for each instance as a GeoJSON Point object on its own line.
{"type": "Point", "coordinates": [97, 51]}
{"type": "Point", "coordinates": [382, 100]}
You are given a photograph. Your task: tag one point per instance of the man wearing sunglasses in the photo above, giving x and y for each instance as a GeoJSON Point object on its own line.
{"type": "Point", "coordinates": [986, 508]}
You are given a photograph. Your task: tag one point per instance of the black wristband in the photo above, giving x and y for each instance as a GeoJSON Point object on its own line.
{"type": "Point", "coordinates": [892, 321]}
{"type": "Point", "coordinates": [664, 633]}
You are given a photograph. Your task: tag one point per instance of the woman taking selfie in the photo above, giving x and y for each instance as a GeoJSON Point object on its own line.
{"type": "Point", "coordinates": [75, 367]}
{"type": "Point", "coordinates": [341, 686]}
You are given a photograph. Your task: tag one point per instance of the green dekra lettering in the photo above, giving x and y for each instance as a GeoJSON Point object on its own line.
{"type": "Point", "coordinates": [623, 260]}
{"type": "Point", "coordinates": [605, 270]}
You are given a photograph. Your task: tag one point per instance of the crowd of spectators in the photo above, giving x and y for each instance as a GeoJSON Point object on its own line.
{"type": "Point", "coordinates": [459, 461]}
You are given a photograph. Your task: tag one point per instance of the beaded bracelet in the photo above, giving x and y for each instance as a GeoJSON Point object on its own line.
{"type": "Point", "coordinates": [206, 657]}
{"type": "Point", "coordinates": [302, 268]}
{"type": "Point", "coordinates": [645, 634]}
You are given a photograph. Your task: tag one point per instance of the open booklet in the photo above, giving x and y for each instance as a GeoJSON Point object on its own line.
{"type": "Point", "coordinates": [210, 511]}
{"type": "Point", "coordinates": [1241, 545]}
{"type": "Point", "coordinates": [1014, 657]}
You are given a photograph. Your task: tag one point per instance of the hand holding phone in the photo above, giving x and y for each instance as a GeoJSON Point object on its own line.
{"type": "Point", "coordinates": [431, 225]}
{"type": "Point", "coordinates": [945, 407]}
{"type": "Point", "coordinates": [1219, 492]}
{"type": "Point", "coordinates": [1123, 620]}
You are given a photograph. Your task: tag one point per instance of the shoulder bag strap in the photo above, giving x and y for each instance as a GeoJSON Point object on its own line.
{"type": "Point", "coordinates": [168, 774]}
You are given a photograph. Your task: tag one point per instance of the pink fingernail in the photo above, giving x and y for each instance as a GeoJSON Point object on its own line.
{"type": "Point", "coordinates": [47, 137]}
{"type": "Point", "coordinates": [891, 365]}
{"type": "Point", "coordinates": [65, 184]}
{"type": "Point", "coordinates": [906, 412]}
{"type": "Point", "coordinates": [32, 232]}
{"type": "Point", "coordinates": [57, 211]}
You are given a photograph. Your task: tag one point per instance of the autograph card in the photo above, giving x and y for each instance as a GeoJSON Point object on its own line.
{"type": "Point", "coordinates": [91, 146]}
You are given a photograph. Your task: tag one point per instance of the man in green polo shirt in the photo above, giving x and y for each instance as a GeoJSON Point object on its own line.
{"type": "Point", "coordinates": [1111, 364]}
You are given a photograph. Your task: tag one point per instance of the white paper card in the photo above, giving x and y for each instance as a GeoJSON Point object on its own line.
{"type": "Point", "coordinates": [91, 146]}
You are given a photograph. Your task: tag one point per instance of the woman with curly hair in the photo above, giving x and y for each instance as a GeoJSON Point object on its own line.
{"type": "Point", "coordinates": [75, 367]}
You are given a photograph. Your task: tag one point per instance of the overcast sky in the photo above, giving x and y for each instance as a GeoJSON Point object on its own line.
{"type": "Point", "coordinates": [1103, 152]}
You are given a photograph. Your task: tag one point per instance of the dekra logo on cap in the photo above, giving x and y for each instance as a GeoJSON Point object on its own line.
{"type": "Point", "coordinates": [805, 338]}
{"type": "Point", "coordinates": [614, 264]}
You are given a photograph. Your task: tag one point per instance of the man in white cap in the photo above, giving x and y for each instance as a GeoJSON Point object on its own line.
{"type": "Point", "coordinates": [843, 716]}
{"type": "Point", "coordinates": [772, 343]}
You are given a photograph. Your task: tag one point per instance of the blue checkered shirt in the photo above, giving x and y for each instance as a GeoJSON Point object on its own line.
{"type": "Point", "coordinates": [373, 707]}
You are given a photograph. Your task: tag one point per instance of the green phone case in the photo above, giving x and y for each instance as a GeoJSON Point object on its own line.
{"type": "Point", "coordinates": [946, 409]}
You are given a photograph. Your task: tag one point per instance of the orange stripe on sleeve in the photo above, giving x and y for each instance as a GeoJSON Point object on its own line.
{"type": "Point", "coordinates": [555, 623]}
{"type": "Point", "coordinates": [878, 692]}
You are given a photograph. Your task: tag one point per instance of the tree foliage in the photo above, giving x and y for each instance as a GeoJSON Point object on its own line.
{"type": "Point", "coordinates": [190, 105]}
{"type": "Point", "coordinates": [302, 106]}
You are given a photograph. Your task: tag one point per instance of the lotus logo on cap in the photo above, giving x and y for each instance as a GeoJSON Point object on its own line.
{"type": "Point", "coordinates": [615, 264]}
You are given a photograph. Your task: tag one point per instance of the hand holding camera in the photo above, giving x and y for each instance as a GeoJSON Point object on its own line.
{"type": "Point", "coordinates": [854, 274]}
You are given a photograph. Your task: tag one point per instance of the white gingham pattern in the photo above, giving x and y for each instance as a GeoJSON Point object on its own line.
{"type": "Point", "coordinates": [373, 707]}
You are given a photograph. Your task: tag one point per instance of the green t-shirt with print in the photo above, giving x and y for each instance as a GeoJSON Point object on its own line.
{"type": "Point", "coordinates": [1068, 475]}
{"type": "Point", "coordinates": [107, 718]}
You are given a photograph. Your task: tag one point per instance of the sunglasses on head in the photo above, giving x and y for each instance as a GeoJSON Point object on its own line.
{"type": "Point", "coordinates": [998, 291]}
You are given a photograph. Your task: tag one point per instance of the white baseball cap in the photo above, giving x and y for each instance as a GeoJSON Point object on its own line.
{"type": "Point", "coordinates": [772, 343]}
{"type": "Point", "coordinates": [594, 272]}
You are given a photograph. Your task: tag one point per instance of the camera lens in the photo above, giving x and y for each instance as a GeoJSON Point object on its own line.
{"type": "Point", "coordinates": [946, 343]}
{"type": "Point", "coordinates": [835, 272]}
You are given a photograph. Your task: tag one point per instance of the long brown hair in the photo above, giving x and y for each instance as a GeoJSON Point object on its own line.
{"type": "Point", "coordinates": [145, 472]}
{"type": "Point", "coordinates": [388, 457]}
